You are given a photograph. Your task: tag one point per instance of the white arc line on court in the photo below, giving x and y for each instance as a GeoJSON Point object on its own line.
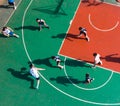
{"type": "Point", "coordinates": [73, 97]}
{"type": "Point", "coordinates": [104, 30]}
{"type": "Point", "coordinates": [76, 98]}
{"type": "Point", "coordinates": [23, 31]}
{"type": "Point", "coordinates": [87, 88]}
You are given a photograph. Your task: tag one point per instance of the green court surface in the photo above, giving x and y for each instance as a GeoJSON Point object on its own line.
{"type": "Point", "coordinates": [58, 87]}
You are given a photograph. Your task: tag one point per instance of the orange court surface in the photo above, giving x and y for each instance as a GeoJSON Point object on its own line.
{"type": "Point", "coordinates": [104, 33]}
{"type": "Point", "coordinates": [101, 19]}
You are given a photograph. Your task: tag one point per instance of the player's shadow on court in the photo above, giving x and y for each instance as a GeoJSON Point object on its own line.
{"type": "Point", "coordinates": [64, 80]}
{"type": "Point", "coordinates": [33, 28]}
{"type": "Point", "coordinates": [94, 3]}
{"type": "Point", "coordinates": [2, 36]}
{"type": "Point", "coordinates": [6, 6]}
{"type": "Point", "coordinates": [112, 58]}
{"type": "Point", "coordinates": [85, 1]}
{"type": "Point", "coordinates": [53, 9]}
{"type": "Point", "coordinates": [3, 6]}
{"type": "Point", "coordinates": [75, 63]}
{"type": "Point", "coordinates": [48, 11]}
{"type": "Point", "coordinates": [60, 36]}
{"type": "Point", "coordinates": [22, 74]}
{"type": "Point", "coordinates": [45, 61]}
{"type": "Point", "coordinates": [68, 36]}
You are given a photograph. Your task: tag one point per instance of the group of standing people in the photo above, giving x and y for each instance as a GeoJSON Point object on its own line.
{"type": "Point", "coordinates": [8, 32]}
{"type": "Point", "coordinates": [34, 70]}
{"type": "Point", "coordinates": [97, 60]}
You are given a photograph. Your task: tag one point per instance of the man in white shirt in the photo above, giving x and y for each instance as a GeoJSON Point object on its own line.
{"type": "Point", "coordinates": [97, 59]}
{"type": "Point", "coordinates": [7, 31]}
{"type": "Point", "coordinates": [34, 72]}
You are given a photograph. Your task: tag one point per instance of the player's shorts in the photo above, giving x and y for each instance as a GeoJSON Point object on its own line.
{"type": "Point", "coordinates": [11, 3]}
{"type": "Point", "coordinates": [41, 23]}
{"type": "Point", "coordinates": [11, 33]}
{"type": "Point", "coordinates": [81, 32]}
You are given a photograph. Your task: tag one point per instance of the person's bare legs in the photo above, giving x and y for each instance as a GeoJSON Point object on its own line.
{"type": "Point", "coordinates": [87, 38]}
{"type": "Point", "coordinates": [15, 35]}
{"type": "Point", "coordinates": [38, 83]}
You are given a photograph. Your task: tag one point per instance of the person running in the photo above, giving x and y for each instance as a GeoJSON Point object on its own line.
{"type": "Point", "coordinates": [41, 23]}
{"type": "Point", "coordinates": [58, 61]}
{"type": "Point", "coordinates": [12, 3]}
{"type": "Point", "coordinates": [97, 59]}
{"type": "Point", "coordinates": [34, 72]}
{"type": "Point", "coordinates": [7, 31]}
{"type": "Point", "coordinates": [83, 31]}
{"type": "Point", "coordinates": [88, 79]}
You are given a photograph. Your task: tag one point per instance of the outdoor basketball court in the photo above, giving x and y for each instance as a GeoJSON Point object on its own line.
{"type": "Point", "coordinates": [61, 87]}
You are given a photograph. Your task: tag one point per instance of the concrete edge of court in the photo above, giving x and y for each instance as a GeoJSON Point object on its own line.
{"type": "Point", "coordinates": [6, 12]}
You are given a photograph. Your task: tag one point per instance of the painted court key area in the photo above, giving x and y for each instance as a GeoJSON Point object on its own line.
{"type": "Point", "coordinates": [102, 28]}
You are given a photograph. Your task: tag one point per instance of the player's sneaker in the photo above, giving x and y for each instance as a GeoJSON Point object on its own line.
{"type": "Point", "coordinates": [14, 7]}
{"type": "Point", "coordinates": [17, 36]}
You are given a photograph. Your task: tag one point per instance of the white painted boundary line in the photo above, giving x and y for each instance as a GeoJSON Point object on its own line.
{"type": "Point", "coordinates": [66, 35]}
{"type": "Point", "coordinates": [76, 98]}
{"type": "Point", "coordinates": [11, 14]}
{"type": "Point", "coordinates": [105, 83]}
{"type": "Point", "coordinates": [91, 64]}
{"type": "Point", "coordinates": [69, 26]}
{"type": "Point", "coordinates": [23, 31]}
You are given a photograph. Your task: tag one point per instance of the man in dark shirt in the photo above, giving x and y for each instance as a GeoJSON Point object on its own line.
{"type": "Point", "coordinates": [83, 31]}
{"type": "Point", "coordinates": [12, 3]}
{"type": "Point", "coordinates": [41, 23]}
